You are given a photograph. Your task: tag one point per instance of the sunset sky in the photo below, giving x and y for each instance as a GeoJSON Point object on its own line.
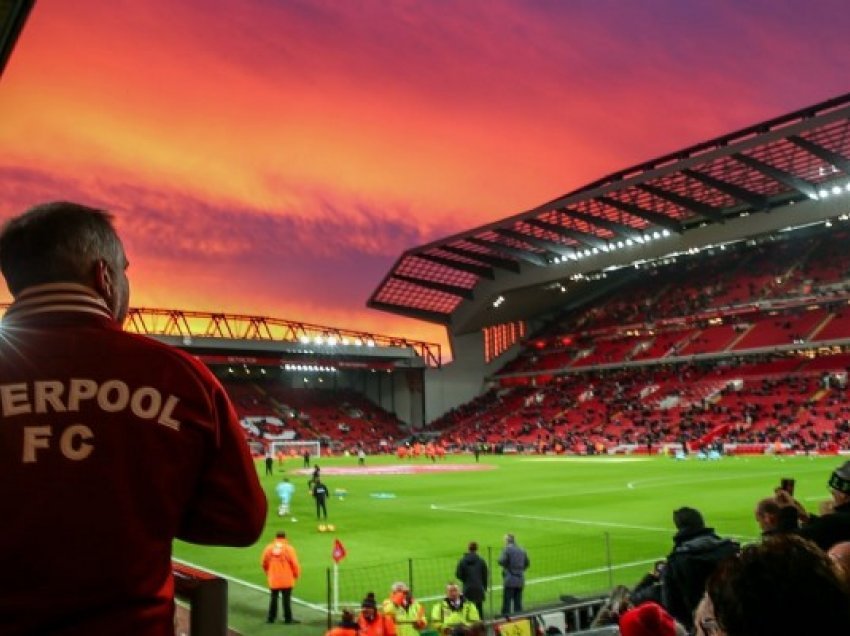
{"type": "Point", "coordinates": [275, 157]}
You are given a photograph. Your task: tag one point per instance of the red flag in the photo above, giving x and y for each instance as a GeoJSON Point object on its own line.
{"type": "Point", "coordinates": [339, 551]}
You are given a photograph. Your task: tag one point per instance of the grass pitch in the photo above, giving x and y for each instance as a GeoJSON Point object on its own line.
{"type": "Point", "coordinates": [575, 516]}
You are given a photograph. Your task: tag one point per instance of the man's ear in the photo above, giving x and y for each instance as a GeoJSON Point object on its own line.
{"type": "Point", "coordinates": [103, 282]}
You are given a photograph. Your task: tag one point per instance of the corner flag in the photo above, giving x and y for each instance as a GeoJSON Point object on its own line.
{"type": "Point", "coordinates": [339, 552]}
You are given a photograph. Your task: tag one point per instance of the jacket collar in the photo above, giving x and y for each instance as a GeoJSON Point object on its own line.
{"type": "Point", "coordinates": [54, 298]}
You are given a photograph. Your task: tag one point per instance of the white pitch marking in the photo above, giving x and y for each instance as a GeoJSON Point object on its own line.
{"type": "Point", "coordinates": [253, 586]}
{"type": "Point", "coordinates": [583, 522]}
{"type": "Point", "coordinates": [588, 460]}
{"type": "Point", "coordinates": [657, 483]}
{"type": "Point", "coordinates": [580, 522]}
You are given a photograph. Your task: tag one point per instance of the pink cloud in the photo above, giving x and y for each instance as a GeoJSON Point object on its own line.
{"type": "Point", "coordinates": [284, 153]}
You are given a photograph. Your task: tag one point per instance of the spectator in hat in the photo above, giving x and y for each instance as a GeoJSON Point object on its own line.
{"type": "Point", "coordinates": [407, 614]}
{"type": "Point", "coordinates": [371, 622]}
{"type": "Point", "coordinates": [828, 529]}
{"type": "Point", "coordinates": [649, 619]}
{"type": "Point", "coordinates": [696, 553]}
{"type": "Point", "coordinates": [783, 585]}
{"type": "Point", "coordinates": [472, 572]}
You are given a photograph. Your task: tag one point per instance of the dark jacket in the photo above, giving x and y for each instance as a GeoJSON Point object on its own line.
{"type": "Point", "coordinates": [689, 565]}
{"type": "Point", "coordinates": [472, 571]}
{"type": "Point", "coordinates": [648, 589]}
{"type": "Point", "coordinates": [514, 562]}
{"type": "Point", "coordinates": [827, 530]}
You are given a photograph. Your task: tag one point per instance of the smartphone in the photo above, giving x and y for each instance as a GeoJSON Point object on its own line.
{"type": "Point", "coordinates": [787, 485]}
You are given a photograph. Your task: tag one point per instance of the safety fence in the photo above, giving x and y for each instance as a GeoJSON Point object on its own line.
{"type": "Point", "coordinates": [588, 565]}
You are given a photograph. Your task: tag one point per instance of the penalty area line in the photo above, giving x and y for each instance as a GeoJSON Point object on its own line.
{"type": "Point", "coordinates": [252, 586]}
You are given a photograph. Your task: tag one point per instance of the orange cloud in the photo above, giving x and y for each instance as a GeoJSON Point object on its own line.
{"type": "Point", "coordinates": [276, 157]}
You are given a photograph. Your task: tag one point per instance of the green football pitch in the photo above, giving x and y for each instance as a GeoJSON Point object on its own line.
{"type": "Point", "coordinates": [587, 523]}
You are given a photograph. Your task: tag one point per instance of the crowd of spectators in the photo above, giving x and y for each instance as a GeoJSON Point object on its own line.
{"type": "Point", "coordinates": [742, 402]}
{"type": "Point", "coordinates": [794, 580]}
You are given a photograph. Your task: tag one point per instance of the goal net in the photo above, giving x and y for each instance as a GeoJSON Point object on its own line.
{"type": "Point", "coordinates": [289, 448]}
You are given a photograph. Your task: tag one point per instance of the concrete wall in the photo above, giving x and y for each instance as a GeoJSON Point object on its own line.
{"type": "Point", "coordinates": [391, 391]}
{"type": "Point", "coordinates": [462, 379]}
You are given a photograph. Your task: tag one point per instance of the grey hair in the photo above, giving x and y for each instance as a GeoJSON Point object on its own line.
{"type": "Point", "coordinates": [57, 242]}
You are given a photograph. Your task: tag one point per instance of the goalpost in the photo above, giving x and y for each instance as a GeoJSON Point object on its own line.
{"type": "Point", "coordinates": [287, 446]}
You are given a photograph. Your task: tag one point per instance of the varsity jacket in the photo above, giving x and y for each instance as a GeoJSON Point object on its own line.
{"type": "Point", "coordinates": [111, 445]}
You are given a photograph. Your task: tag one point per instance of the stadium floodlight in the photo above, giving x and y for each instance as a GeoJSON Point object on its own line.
{"type": "Point", "coordinates": [828, 223]}
{"type": "Point", "coordinates": [847, 187]}
{"type": "Point", "coordinates": [629, 242]}
{"type": "Point", "coordinates": [358, 343]}
{"type": "Point", "coordinates": [665, 232]}
{"type": "Point", "coordinates": [656, 235]}
{"type": "Point", "coordinates": [836, 190]}
{"type": "Point", "coordinates": [823, 193]}
{"type": "Point", "coordinates": [319, 340]}
{"type": "Point", "coordinates": [345, 342]}
{"type": "Point", "coordinates": [620, 244]}
{"type": "Point", "coordinates": [305, 339]}
{"type": "Point", "coordinates": [332, 341]}
{"type": "Point", "coordinates": [370, 343]}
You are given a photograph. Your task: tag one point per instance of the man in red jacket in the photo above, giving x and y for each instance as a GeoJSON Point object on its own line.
{"type": "Point", "coordinates": [111, 444]}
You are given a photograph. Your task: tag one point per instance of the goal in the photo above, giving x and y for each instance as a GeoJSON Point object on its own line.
{"type": "Point", "coordinates": [288, 446]}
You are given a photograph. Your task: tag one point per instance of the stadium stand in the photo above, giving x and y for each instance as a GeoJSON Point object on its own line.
{"type": "Point", "coordinates": [738, 348]}
{"type": "Point", "coordinates": [341, 418]}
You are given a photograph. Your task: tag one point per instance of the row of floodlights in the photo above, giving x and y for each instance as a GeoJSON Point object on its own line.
{"type": "Point", "coordinates": [823, 193]}
{"type": "Point", "coordinates": [843, 217]}
{"type": "Point", "coordinates": [310, 367]}
{"type": "Point", "coordinates": [246, 369]}
{"type": "Point", "coordinates": [333, 341]}
{"type": "Point", "coordinates": [614, 245]}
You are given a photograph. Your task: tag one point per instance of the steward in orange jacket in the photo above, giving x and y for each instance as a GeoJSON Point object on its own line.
{"type": "Point", "coordinates": [280, 563]}
{"type": "Point", "coordinates": [372, 622]}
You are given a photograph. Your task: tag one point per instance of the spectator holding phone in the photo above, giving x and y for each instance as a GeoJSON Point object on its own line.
{"type": "Point", "coordinates": [834, 526]}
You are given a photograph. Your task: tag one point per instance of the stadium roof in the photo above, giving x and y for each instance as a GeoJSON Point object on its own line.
{"type": "Point", "coordinates": [722, 188]}
{"type": "Point", "coordinates": [239, 337]}
{"type": "Point", "coordinates": [13, 16]}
